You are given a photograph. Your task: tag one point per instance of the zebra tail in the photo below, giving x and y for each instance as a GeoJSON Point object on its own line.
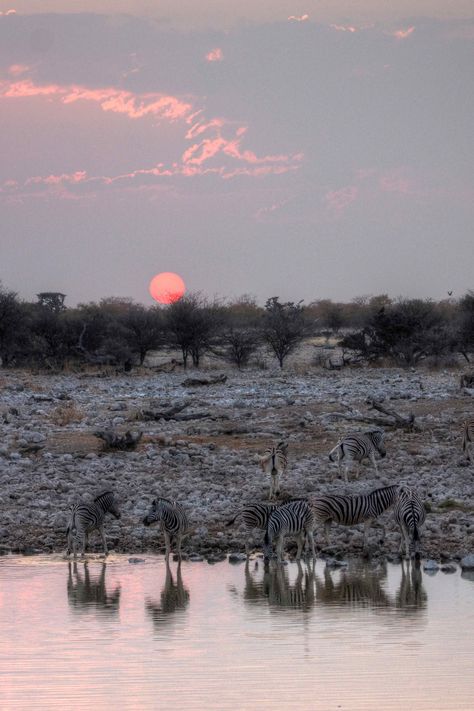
{"type": "Point", "coordinates": [416, 535]}
{"type": "Point", "coordinates": [232, 520]}
{"type": "Point", "coordinates": [266, 539]}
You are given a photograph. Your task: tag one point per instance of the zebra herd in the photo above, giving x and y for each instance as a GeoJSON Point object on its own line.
{"type": "Point", "coordinates": [297, 517]}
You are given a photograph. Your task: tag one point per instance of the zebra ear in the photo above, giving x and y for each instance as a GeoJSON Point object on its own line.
{"type": "Point", "coordinates": [283, 446]}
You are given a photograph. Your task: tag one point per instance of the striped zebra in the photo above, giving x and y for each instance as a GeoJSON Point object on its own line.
{"type": "Point", "coordinates": [86, 518]}
{"type": "Point", "coordinates": [173, 519]}
{"type": "Point", "coordinates": [274, 462]}
{"type": "Point", "coordinates": [295, 518]}
{"type": "Point", "coordinates": [351, 510]}
{"type": "Point", "coordinates": [357, 447]}
{"type": "Point", "coordinates": [256, 516]}
{"type": "Point", "coordinates": [410, 515]}
{"type": "Point", "coordinates": [468, 439]}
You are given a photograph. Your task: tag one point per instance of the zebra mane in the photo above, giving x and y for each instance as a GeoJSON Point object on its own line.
{"type": "Point", "coordinates": [102, 494]}
{"type": "Point", "coordinates": [166, 501]}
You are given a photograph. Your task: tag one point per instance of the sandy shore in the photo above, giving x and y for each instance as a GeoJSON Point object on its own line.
{"type": "Point", "coordinates": [50, 458]}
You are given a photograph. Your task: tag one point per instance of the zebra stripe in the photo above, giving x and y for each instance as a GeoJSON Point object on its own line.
{"type": "Point", "coordinates": [173, 519]}
{"type": "Point", "coordinates": [351, 510]}
{"type": "Point", "coordinates": [468, 439]}
{"type": "Point", "coordinates": [255, 516]}
{"type": "Point", "coordinates": [296, 517]}
{"type": "Point", "coordinates": [410, 515]}
{"type": "Point", "coordinates": [86, 518]}
{"type": "Point", "coordinates": [274, 462]}
{"type": "Point", "coordinates": [357, 447]}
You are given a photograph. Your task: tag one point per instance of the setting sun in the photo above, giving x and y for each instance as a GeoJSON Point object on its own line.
{"type": "Point", "coordinates": [167, 287]}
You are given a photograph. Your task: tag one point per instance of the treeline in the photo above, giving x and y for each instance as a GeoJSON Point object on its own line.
{"type": "Point", "coordinates": [120, 332]}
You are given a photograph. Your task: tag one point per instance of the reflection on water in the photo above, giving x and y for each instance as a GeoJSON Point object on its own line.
{"type": "Point", "coordinates": [84, 592]}
{"type": "Point", "coordinates": [174, 599]}
{"type": "Point", "coordinates": [357, 586]}
{"type": "Point", "coordinates": [192, 636]}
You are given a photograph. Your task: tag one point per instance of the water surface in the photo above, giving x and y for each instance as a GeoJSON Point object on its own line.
{"type": "Point", "coordinates": [233, 637]}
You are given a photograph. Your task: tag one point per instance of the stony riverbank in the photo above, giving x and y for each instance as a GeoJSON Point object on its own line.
{"type": "Point", "coordinates": [50, 458]}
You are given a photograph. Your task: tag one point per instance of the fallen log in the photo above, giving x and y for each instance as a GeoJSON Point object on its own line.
{"type": "Point", "coordinates": [114, 440]}
{"type": "Point", "coordinates": [168, 414]}
{"type": "Point", "coordinates": [215, 380]}
{"type": "Point", "coordinates": [400, 421]}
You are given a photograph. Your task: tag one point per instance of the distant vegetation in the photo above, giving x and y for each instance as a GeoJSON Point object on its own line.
{"type": "Point", "coordinates": [118, 332]}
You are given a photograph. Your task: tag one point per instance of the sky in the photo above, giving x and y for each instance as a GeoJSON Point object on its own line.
{"type": "Point", "coordinates": [302, 149]}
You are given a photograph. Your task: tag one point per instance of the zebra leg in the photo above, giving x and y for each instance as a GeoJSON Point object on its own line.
{"type": "Point", "coordinates": [301, 540]}
{"type": "Point", "coordinates": [374, 462]}
{"type": "Point", "coordinates": [367, 525]}
{"type": "Point", "coordinates": [104, 542]}
{"type": "Point", "coordinates": [277, 485]}
{"type": "Point", "coordinates": [178, 546]}
{"type": "Point", "coordinates": [310, 538]}
{"type": "Point", "coordinates": [167, 546]}
{"type": "Point", "coordinates": [279, 549]}
{"type": "Point", "coordinates": [327, 527]}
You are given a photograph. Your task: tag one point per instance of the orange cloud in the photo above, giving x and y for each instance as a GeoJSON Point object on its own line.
{"type": "Point", "coordinates": [216, 148]}
{"type": "Point", "coordinates": [299, 18]}
{"type": "Point", "coordinates": [402, 33]}
{"type": "Point", "coordinates": [344, 28]}
{"type": "Point", "coordinates": [215, 55]}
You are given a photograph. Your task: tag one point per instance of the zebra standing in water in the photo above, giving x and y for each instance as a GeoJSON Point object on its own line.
{"type": "Point", "coordinates": [86, 518]}
{"type": "Point", "coordinates": [173, 519]}
{"type": "Point", "coordinates": [357, 447]}
{"type": "Point", "coordinates": [410, 514]}
{"type": "Point", "coordinates": [351, 510]}
{"type": "Point", "coordinates": [296, 517]}
{"type": "Point", "coordinates": [274, 462]}
{"type": "Point", "coordinates": [468, 439]}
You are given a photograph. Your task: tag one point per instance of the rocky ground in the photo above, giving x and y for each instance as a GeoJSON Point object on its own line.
{"type": "Point", "coordinates": [50, 458]}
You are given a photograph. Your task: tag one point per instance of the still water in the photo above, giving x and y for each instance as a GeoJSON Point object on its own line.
{"type": "Point", "coordinates": [233, 637]}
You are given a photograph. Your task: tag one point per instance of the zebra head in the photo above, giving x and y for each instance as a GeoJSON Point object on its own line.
{"type": "Point", "coordinates": [154, 513]}
{"type": "Point", "coordinates": [377, 438]}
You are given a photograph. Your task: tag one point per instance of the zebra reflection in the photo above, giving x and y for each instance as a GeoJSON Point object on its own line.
{"type": "Point", "coordinates": [360, 588]}
{"type": "Point", "coordinates": [174, 598]}
{"type": "Point", "coordinates": [411, 595]}
{"type": "Point", "coordinates": [276, 588]}
{"type": "Point", "coordinates": [85, 593]}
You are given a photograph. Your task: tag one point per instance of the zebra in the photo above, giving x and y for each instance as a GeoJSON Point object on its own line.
{"type": "Point", "coordinates": [274, 462]}
{"type": "Point", "coordinates": [351, 510]}
{"type": "Point", "coordinates": [357, 447]}
{"type": "Point", "coordinates": [256, 516]}
{"type": "Point", "coordinates": [410, 515]}
{"type": "Point", "coordinates": [86, 518]}
{"type": "Point", "coordinates": [468, 439]}
{"type": "Point", "coordinates": [173, 519]}
{"type": "Point", "coordinates": [295, 517]}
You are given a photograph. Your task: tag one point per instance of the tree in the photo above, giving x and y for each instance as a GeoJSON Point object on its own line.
{"type": "Point", "coordinates": [406, 331]}
{"type": "Point", "coordinates": [11, 321]}
{"type": "Point", "coordinates": [52, 300]}
{"type": "Point", "coordinates": [193, 324]}
{"type": "Point", "coordinates": [466, 325]}
{"type": "Point", "coordinates": [144, 329]}
{"type": "Point", "coordinates": [241, 333]}
{"type": "Point", "coordinates": [284, 327]}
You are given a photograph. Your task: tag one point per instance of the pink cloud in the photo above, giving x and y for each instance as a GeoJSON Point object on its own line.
{"type": "Point", "coordinates": [299, 18]}
{"type": "Point", "coordinates": [338, 200]}
{"type": "Point", "coordinates": [402, 33]}
{"type": "Point", "coordinates": [216, 143]}
{"type": "Point", "coordinates": [8, 12]}
{"type": "Point", "coordinates": [18, 69]}
{"type": "Point", "coordinates": [344, 28]}
{"type": "Point", "coordinates": [215, 55]}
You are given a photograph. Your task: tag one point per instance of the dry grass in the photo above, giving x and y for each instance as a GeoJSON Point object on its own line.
{"type": "Point", "coordinates": [66, 415]}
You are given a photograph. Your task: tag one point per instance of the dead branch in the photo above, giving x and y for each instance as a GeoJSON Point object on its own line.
{"type": "Point", "coordinates": [400, 421]}
{"type": "Point", "coordinates": [215, 380]}
{"type": "Point", "coordinates": [114, 440]}
{"type": "Point", "coordinates": [169, 414]}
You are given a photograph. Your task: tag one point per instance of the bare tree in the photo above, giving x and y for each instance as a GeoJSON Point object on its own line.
{"type": "Point", "coordinates": [284, 327]}
{"type": "Point", "coordinates": [193, 324]}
